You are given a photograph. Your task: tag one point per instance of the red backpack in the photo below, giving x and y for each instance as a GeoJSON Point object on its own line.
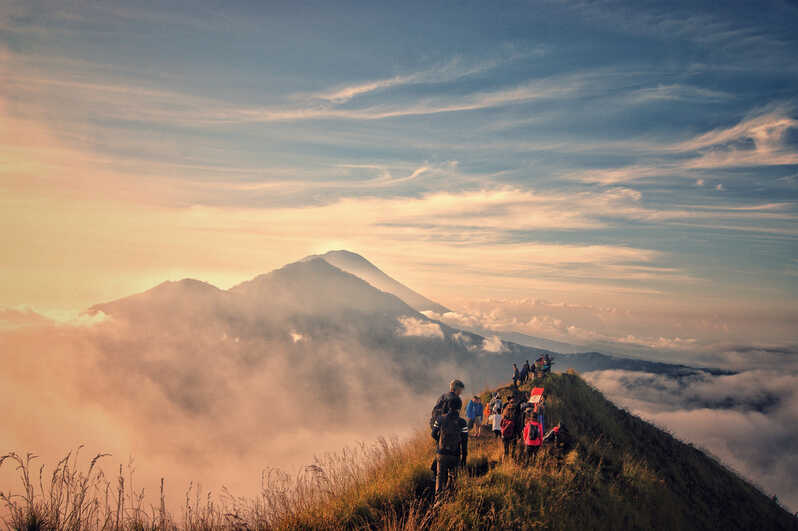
{"type": "Point", "coordinates": [532, 435]}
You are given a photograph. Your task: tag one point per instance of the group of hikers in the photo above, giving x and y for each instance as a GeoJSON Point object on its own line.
{"type": "Point", "coordinates": [540, 368]}
{"type": "Point", "coordinates": [517, 420]}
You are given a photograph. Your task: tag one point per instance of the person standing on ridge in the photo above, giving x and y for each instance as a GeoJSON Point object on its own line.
{"type": "Point", "coordinates": [496, 414]}
{"type": "Point", "coordinates": [516, 375]}
{"type": "Point", "coordinates": [533, 437]}
{"type": "Point", "coordinates": [525, 372]}
{"type": "Point", "coordinates": [455, 389]}
{"type": "Point", "coordinates": [511, 426]}
{"type": "Point", "coordinates": [441, 407]}
{"type": "Point", "coordinates": [474, 414]}
{"type": "Point", "coordinates": [450, 432]}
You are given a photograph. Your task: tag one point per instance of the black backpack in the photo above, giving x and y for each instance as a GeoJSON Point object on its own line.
{"type": "Point", "coordinates": [441, 408]}
{"type": "Point", "coordinates": [534, 432]}
{"type": "Point", "coordinates": [450, 435]}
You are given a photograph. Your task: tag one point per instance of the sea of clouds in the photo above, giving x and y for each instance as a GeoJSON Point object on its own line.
{"type": "Point", "coordinates": [749, 420]}
{"type": "Point", "coordinates": [195, 403]}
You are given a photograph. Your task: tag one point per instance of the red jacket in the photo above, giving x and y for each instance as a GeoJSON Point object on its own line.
{"type": "Point", "coordinates": [537, 441]}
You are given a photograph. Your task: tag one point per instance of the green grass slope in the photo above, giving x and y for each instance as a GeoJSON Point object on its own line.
{"type": "Point", "coordinates": [622, 473]}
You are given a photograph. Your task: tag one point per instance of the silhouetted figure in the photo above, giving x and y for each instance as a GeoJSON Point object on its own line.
{"type": "Point", "coordinates": [451, 433]}
{"type": "Point", "coordinates": [525, 372]}
{"type": "Point", "coordinates": [511, 426]}
{"type": "Point", "coordinates": [560, 437]}
{"type": "Point", "coordinates": [455, 389]}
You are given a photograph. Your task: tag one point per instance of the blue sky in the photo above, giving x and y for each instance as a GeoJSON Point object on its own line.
{"type": "Point", "coordinates": [625, 154]}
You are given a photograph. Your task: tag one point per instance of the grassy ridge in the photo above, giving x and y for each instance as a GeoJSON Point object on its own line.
{"type": "Point", "coordinates": [622, 473]}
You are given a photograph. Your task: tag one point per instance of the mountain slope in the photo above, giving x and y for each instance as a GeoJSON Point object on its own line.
{"type": "Point", "coordinates": [621, 473]}
{"type": "Point", "coordinates": [331, 330]}
{"type": "Point", "coordinates": [357, 265]}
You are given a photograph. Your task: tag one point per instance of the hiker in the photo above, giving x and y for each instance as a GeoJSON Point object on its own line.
{"type": "Point", "coordinates": [474, 414]}
{"type": "Point", "coordinates": [455, 389]}
{"type": "Point", "coordinates": [546, 364]}
{"type": "Point", "coordinates": [533, 437]}
{"type": "Point", "coordinates": [516, 375]}
{"type": "Point", "coordinates": [441, 407]}
{"type": "Point", "coordinates": [510, 426]}
{"type": "Point", "coordinates": [496, 404]}
{"type": "Point", "coordinates": [540, 412]}
{"type": "Point", "coordinates": [525, 372]}
{"type": "Point", "coordinates": [496, 414]}
{"type": "Point", "coordinates": [559, 436]}
{"type": "Point", "coordinates": [451, 433]}
{"type": "Point", "coordinates": [539, 367]}
{"type": "Point", "coordinates": [496, 424]}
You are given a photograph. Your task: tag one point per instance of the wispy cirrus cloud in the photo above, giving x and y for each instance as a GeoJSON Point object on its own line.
{"type": "Point", "coordinates": [140, 103]}
{"type": "Point", "coordinates": [450, 71]}
{"type": "Point", "coordinates": [759, 139]}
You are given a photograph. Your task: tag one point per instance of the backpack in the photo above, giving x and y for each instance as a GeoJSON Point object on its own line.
{"type": "Point", "coordinates": [508, 428]}
{"type": "Point", "coordinates": [441, 408]}
{"type": "Point", "coordinates": [450, 435]}
{"type": "Point", "coordinates": [533, 434]}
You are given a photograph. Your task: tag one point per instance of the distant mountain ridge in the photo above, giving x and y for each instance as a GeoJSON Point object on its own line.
{"type": "Point", "coordinates": [316, 302]}
{"type": "Point", "coordinates": [596, 361]}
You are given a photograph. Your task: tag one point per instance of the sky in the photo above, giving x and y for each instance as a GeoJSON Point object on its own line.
{"type": "Point", "coordinates": [618, 174]}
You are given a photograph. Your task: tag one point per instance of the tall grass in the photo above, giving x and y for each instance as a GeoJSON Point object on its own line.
{"type": "Point", "coordinates": [621, 473]}
{"type": "Point", "coordinates": [383, 484]}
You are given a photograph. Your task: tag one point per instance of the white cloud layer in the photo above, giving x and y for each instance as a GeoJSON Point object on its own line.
{"type": "Point", "coordinates": [748, 420]}
{"type": "Point", "coordinates": [413, 326]}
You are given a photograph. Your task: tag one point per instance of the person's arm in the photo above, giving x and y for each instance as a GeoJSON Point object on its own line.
{"type": "Point", "coordinates": [436, 429]}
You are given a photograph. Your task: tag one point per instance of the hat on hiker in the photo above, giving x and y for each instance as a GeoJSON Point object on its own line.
{"type": "Point", "coordinates": [454, 384]}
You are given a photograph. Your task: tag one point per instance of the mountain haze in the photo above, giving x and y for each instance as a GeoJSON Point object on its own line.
{"type": "Point", "coordinates": [198, 376]}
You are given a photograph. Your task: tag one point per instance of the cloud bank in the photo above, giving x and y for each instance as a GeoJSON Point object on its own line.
{"type": "Point", "coordinates": [202, 403]}
{"type": "Point", "coordinates": [748, 420]}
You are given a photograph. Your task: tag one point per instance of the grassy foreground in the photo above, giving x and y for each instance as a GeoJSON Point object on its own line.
{"type": "Point", "coordinates": [622, 473]}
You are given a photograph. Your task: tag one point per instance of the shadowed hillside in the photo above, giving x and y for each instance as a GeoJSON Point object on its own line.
{"type": "Point", "coordinates": [623, 473]}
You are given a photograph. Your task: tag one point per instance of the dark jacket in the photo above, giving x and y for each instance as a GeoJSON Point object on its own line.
{"type": "Point", "coordinates": [514, 413]}
{"type": "Point", "coordinates": [441, 406]}
{"type": "Point", "coordinates": [462, 451]}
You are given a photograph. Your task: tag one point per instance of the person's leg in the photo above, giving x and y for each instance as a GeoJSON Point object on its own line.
{"type": "Point", "coordinates": [453, 472]}
{"type": "Point", "coordinates": [506, 444]}
{"type": "Point", "coordinates": [447, 470]}
{"type": "Point", "coordinates": [443, 475]}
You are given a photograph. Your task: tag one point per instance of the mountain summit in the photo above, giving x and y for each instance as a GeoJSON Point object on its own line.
{"type": "Point", "coordinates": [357, 265]}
